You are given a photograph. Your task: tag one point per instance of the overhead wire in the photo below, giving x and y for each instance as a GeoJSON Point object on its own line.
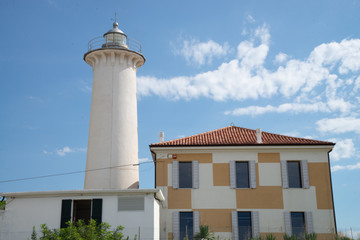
{"type": "Point", "coordinates": [69, 173]}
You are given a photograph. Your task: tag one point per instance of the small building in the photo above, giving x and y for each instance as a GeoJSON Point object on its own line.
{"type": "Point", "coordinates": [243, 183]}
{"type": "Point", "coordinates": [135, 209]}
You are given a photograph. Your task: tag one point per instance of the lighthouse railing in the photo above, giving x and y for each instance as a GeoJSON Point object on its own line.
{"type": "Point", "coordinates": [100, 42]}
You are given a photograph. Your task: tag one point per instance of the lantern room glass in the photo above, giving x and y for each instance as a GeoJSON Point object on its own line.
{"type": "Point", "coordinates": [115, 39]}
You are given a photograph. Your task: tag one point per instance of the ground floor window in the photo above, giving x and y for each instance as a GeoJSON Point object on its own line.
{"type": "Point", "coordinates": [186, 225]}
{"type": "Point", "coordinates": [84, 209]}
{"type": "Point", "coordinates": [298, 224]}
{"type": "Point", "coordinates": [81, 210]}
{"type": "Point", "coordinates": [244, 225]}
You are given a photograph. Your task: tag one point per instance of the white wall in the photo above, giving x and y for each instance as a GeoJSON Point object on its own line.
{"type": "Point", "coordinates": [21, 214]}
{"type": "Point", "coordinates": [113, 132]}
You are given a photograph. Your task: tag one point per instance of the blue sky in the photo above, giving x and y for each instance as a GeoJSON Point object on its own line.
{"type": "Point", "coordinates": [287, 67]}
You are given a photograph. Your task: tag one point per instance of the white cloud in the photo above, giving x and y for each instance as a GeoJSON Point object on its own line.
{"type": "Point", "coordinates": [47, 152]}
{"type": "Point", "coordinates": [85, 86]}
{"type": "Point", "coordinates": [339, 105]}
{"type": "Point", "coordinates": [246, 77]}
{"type": "Point", "coordinates": [346, 54]}
{"type": "Point", "coordinates": [339, 125]}
{"type": "Point", "coordinates": [202, 53]}
{"type": "Point", "coordinates": [65, 150]}
{"type": "Point", "coordinates": [357, 84]}
{"type": "Point", "coordinates": [250, 18]}
{"type": "Point", "coordinates": [281, 58]}
{"type": "Point", "coordinates": [343, 149]}
{"type": "Point", "coordinates": [345, 167]}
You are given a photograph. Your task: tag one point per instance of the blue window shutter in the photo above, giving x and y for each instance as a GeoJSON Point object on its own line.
{"type": "Point", "coordinates": [252, 173]}
{"type": "Point", "coordinates": [255, 224]}
{"type": "Point", "coordinates": [175, 174]}
{"type": "Point", "coordinates": [97, 210]}
{"type": "Point", "coordinates": [287, 219]}
{"type": "Point", "coordinates": [284, 173]}
{"type": "Point", "coordinates": [196, 222]}
{"type": "Point", "coordinates": [176, 225]}
{"type": "Point", "coordinates": [309, 222]}
{"type": "Point", "coordinates": [195, 174]}
{"type": "Point", "coordinates": [234, 222]}
{"type": "Point", "coordinates": [232, 174]}
{"type": "Point", "coordinates": [65, 212]}
{"type": "Point", "coordinates": [305, 174]}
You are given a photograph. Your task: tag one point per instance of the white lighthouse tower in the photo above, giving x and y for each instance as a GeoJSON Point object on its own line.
{"type": "Point", "coordinates": [112, 154]}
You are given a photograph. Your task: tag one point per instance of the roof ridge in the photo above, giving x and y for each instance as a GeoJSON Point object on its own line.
{"type": "Point", "coordinates": [235, 136]}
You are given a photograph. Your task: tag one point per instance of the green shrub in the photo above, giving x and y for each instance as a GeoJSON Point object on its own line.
{"type": "Point", "coordinates": [2, 205]}
{"type": "Point", "coordinates": [292, 237]}
{"type": "Point", "coordinates": [204, 234]}
{"type": "Point", "coordinates": [81, 231]}
{"type": "Point", "coordinates": [310, 236]}
{"type": "Point", "coordinates": [339, 237]}
{"type": "Point", "coordinates": [33, 234]}
{"type": "Point", "coordinates": [270, 236]}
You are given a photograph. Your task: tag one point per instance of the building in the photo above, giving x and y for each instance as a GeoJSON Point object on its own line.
{"type": "Point", "coordinates": [111, 183]}
{"type": "Point", "coordinates": [135, 209]}
{"type": "Point", "coordinates": [244, 183]}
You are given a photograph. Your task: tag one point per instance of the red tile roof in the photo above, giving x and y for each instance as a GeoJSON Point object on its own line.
{"type": "Point", "coordinates": [237, 136]}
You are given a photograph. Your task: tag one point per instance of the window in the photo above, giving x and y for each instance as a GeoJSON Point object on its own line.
{"type": "Point", "coordinates": [245, 225]}
{"type": "Point", "coordinates": [185, 224]}
{"type": "Point", "coordinates": [242, 174]}
{"type": "Point", "coordinates": [295, 174]}
{"type": "Point", "coordinates": [185, 174]}
{"type": "Point", "coordinates": [298, 224]}
{"type": "Point", "coordinates": [80, 209]}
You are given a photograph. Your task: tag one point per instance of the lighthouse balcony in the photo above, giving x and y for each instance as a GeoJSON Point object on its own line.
{"type": "Point", "coordinates": [124, 43]}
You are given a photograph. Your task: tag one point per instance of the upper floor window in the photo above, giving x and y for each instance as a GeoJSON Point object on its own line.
{"type": "Point", "coordinates": [295, 174]}
{"type": "Point", "coordinates": [242, 174]}
{"type": "Point", "coordinates": [185, 174]}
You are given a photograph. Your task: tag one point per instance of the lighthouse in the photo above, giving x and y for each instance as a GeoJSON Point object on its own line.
{"type": "Point", "coordinates": [112, 154]}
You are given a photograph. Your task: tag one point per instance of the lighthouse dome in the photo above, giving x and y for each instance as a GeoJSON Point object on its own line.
{"type": "Point", "coordinates": [115, 29]}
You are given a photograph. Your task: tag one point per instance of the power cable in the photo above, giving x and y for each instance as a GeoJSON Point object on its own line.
{"type": "Point", "coordinates": [69, 173]}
